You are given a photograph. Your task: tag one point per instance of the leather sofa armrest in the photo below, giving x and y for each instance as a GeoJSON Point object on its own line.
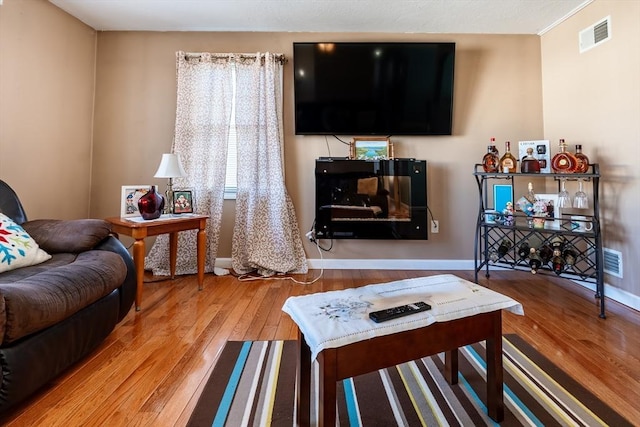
{"type": "Point", "coordinates": [128, 287]}
{"type": "Point", "coordinates": [74, 236]}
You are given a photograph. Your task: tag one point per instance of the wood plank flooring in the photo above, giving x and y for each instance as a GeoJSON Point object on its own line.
{"type": "Point", "coordinates": [151, 369]}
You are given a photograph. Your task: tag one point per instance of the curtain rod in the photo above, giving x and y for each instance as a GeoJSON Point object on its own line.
{"type": "Point", "coordinates": [280, 57]}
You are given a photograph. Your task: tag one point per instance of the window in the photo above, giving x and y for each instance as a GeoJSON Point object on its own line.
{"type": "Point", "coordinates": [231, 177]}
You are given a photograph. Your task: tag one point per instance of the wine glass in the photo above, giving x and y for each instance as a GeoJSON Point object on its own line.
{"type": "Point", "coordinates": [580, 200]}
{"type": "Point", "coordinates": [564, 198]}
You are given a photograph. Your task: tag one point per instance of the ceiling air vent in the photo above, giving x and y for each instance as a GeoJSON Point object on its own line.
{"type": "Point", "coordinates": [612, 262]}
{"type": "Point", "coordinates": [594, 35]}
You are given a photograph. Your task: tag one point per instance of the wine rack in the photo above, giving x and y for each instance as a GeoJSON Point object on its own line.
{"type": "Point", "coordinates": [498, 244]}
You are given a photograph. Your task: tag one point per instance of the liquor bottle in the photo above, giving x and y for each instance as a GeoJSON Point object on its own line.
{"type": "Point", "coordinates": [490, 161]}
{"type": "Point", "coordinates": [507, 161]}
{"type": "Point", "coordinates": [494, 148]}
{"type": "Point", "coordinates": [534, 260]}
{"type": "Point", "coordinates": [529, 164]}
{"type": "Point", "coordinates": [530, 196]}
{"type": "Point", "coordinates": [557, 244]}
{"type": "Point", "coordinates": [563, 161]}
{"type": "Point", "coordinates": [557, 264]}
{"type": "Point", "coordinates": [523, 250]}
{"type": "Point", "coordinates": [583, 161]}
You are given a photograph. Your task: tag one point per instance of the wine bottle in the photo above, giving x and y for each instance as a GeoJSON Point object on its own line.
{"type": "Point", "coordinates": [534, 261]}
{"type": "Point", "coordinates": [557, 264]}
{"type": "Point", "coordinates": [523, 250]}
{"type": "Point", "coordinates": [582, 160]}
{"type": "Point", "coordinates": [546, 253]}
{"type": "Point", "coordinates": [504, 247]}
{"type": "Point", "coordinates": [570, 256]}
{"type": "Point", "coordinates": [507, 161]}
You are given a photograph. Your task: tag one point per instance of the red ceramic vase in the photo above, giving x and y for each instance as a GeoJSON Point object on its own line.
{"type": "Point", "coordinates": [151, 204]}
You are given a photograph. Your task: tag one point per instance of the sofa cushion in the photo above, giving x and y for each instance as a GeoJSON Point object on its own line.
{"type": "Point", "coordinates": [76, 235]}
{"type": "Point", "coordinates": [40, 300]}
{"type": "Point", "coordinates": [17, 247]}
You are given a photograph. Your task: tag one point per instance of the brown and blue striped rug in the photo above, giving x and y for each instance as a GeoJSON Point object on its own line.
{"type": "Point", "coordinates": [253, 383]}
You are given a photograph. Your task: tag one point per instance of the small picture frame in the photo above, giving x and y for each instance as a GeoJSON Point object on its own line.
{"type": "Point", "coordinates": [370, 148]}
{"type": "Point", "coordinates": [183, 201]}
{"type": "Point", "coordinates": [129, 199]}
{"type": "Point", "coordinates": [553, 221]}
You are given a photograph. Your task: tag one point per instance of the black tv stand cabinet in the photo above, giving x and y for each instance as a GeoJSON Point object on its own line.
{"type": "Point", "coordinates": [371, 199]}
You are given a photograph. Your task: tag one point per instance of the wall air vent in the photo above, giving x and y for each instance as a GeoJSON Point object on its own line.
{"type": "Point", "coordinates": [612, 262]}
{"type": "Point", "coordinates": [594, 35]}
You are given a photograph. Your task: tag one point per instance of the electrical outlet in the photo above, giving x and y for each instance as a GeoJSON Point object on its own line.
{"type": "Point", "coordinates": [435, 226]}
{"type": "Point", "coordinates": [311, 235]}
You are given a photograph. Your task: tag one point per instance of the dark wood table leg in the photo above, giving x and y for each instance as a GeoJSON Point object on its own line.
{"type": "Point", "coordinates": [495, 399]}
{"type": "Point", "coordinates": [451, 366]}
{"type": "Point", "coordinates": [328, 378]}
{"type": "Point", "coordinates": [138, 261]}
{"type": "Point", "coordinates": [303, 380]}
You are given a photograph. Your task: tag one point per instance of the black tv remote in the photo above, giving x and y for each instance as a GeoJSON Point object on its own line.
{"type": "Point", "coordinates": [395, 312]}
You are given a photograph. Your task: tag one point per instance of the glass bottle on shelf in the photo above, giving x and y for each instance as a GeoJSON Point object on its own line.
{"type": "Point", "coordinates": [504, 247]}
{"type": "Point", "coordinates": [490, 161]}
{"type": "Point", "coordinates": [546, 253]}
{"type": "Point", "coordinates": [563, 161]}
{"type": "Point", "coordinates": [494, 148]}
{"type": "Point", "coordinates": [569, 256]}
{"type": "Point", "coordinates": [557, 263]}
{"type": "Point", "coordinates": [507, 161]}
{"type": "Point", "coordinates": [582, 165]}
{"type": "Point", "coordinates": [529, 164]}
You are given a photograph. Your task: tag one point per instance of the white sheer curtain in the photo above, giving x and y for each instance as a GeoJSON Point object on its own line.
{"type": "Point", "coordinates": [203, 116]}
{"type": "Point", "coordinates": [266, 235]}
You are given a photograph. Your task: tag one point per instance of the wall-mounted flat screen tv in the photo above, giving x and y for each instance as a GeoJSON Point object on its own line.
{"type": "Point", "coordinates": [373, 88]}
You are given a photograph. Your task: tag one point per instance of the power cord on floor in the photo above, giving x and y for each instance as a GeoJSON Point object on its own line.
{"type": "Point", "coordinates": [248, 277]}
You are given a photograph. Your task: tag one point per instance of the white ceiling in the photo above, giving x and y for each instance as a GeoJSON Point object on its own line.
{"type": "Point", "coordinates": [394, 16]}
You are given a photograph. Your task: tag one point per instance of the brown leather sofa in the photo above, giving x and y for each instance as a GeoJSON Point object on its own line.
{"type": "Point", "coordinates": [55, 313]}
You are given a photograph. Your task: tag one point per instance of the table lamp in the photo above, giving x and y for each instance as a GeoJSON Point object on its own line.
{"type": "Point", "coordinates": [170, 167]}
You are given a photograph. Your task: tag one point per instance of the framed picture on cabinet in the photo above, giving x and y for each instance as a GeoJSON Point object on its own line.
{"type": "Point", "coordinates": [129, 199]}
{"type": "Point", "coordinates": [183, 201]}
{"type": "Point", "coordinates": [370, 148]}
{"type": "Point", "coordinates": [553, 220]}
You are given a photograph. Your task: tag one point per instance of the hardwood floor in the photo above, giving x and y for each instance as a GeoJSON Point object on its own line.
{"type": "Point", "coordinates": [151, 369]}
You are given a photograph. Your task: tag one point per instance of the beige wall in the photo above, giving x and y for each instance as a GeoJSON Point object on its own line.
{"type": "Point", "coordinates": [497, 93]}
{"type": "Point", "coordinates": [593, 98]}
{"type": "Point", "coordinates": [46, 107]}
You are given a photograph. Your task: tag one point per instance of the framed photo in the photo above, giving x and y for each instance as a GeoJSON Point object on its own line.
{"type": "Point", "coordinates": [502, 193]}
{"type": "Point", "coordinates": [183, 201]}
{"type": "Point", "coordinates": [540, 152]}
{"type": "Point", "coordinates": [553, 221]}
{"type": "Point", "coordinates": [129, 199]}
{"type": "Point", "coordinates": [370, 148]}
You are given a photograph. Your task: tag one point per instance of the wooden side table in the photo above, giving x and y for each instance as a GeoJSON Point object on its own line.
{"type": "Point", "coordinates": [171, 225]}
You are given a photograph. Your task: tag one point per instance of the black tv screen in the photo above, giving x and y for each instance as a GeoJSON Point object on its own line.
{"type": "Point", "coordinates": [373, 88]}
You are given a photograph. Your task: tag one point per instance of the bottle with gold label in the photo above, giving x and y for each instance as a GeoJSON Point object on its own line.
{"type": "Point", "coordinates": [508, 163]}
{"type": "Point", "coordinates": [490, 161]}
{"type": "Point", "coordinates": [583, 161]}
{"type": "Point", "coordinates": [564, 161]}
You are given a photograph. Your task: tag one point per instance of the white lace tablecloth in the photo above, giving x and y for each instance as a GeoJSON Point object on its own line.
{"type": "Point", "coordinates": [337, 318]}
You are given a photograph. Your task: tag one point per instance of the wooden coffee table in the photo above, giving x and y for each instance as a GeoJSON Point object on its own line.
{"type": "Point", "coordinates": [140, 230]}
{"type": "Point", "coordinates": [335, 329]}
{"type": "Point", "coordinates": [382, 352]}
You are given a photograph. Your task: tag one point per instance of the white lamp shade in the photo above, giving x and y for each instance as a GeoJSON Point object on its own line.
{"type": "Point", "coordinates": [170, 167]}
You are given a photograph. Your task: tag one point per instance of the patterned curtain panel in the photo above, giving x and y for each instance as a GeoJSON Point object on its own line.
{"type": "Point", "coordinates": [203, 115]}
{"type": "Point", "coordinates": [266, 237]}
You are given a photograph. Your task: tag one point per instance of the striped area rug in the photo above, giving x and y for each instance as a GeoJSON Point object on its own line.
{"type": "Point", "coordinates": [253, 383]}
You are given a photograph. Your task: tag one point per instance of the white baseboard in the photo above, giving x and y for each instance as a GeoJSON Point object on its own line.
{"type": "Point", "coordinates": [616, 294]}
